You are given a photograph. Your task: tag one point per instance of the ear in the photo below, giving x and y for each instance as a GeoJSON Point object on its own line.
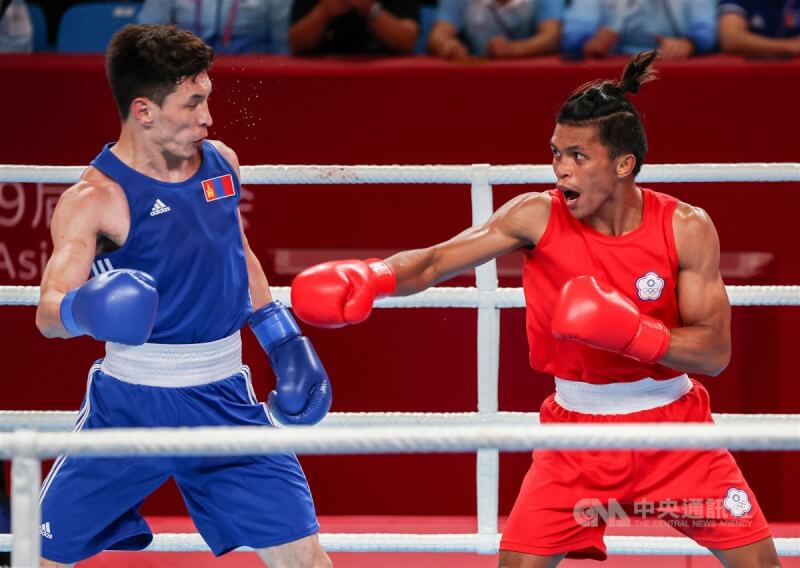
{"type": "Point", "coordinates": [141, 111]}
{"type": "Point", "coordinates": [625, 165]}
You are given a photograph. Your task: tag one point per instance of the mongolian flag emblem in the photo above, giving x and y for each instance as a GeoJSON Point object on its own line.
{"type": "Point", "coordinates": [218, 187]}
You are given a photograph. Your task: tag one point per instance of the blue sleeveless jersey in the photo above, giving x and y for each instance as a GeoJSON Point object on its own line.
{"type": "Point", "coordinates": [186, 235]}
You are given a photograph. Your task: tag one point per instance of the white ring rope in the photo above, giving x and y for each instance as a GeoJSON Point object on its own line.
{"type": "Point", "coordinates": [407, 439]}
{"type": "Point", "coordinates": [450, 543]}
{"type": "Point", "coordinates": [64, 420]}
{"type": "Point", "coordinates": [467, 297]}
{"type": "Point", "coordinates": [445, 174]}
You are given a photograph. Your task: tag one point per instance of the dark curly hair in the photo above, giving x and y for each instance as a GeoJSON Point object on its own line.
{"type": "Point", "coordinates": [147, 60]}
{"type": "Point", "coordinates": [603, 104]}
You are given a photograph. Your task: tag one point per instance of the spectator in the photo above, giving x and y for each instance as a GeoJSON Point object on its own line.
{"type": "Point", "coordinates": [229, 26]}
{"type": "Point", "coordinates": [496, 28]}
{"type": "Point", "coordinates": [769, 28]}
{"type": "Point", "coordinates": [16, 31]}
{"type": "Point", "coordinates": [678, 28]}
{"type": "Point", "coordinates": [54, 11]}
{"type": "Point", "coordinates": [353, 26]}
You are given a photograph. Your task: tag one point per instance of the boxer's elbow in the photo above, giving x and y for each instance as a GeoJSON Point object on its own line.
{"type": "Point", "coordinates": [718, 362]}
{"type": "Point", "coordinates": [48, 317]}
{"type": "Point", "coordinates": [42, 324]}
{"type": "Point", "coordinates": [715, 370]}
{"type": "Point", "coordinates": [45, 325]}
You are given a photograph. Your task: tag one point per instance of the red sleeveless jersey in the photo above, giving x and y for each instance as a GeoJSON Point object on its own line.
{"type": "Point", "coordinates": [642, 265]}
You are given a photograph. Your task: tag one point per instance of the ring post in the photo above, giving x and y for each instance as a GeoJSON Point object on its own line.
{"type": "Point", "coordinates": [488, 461]}
{"type": "Point", "coordinates": [26, 479]}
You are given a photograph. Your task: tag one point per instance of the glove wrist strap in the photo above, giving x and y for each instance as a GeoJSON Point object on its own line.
{"type": "Point", "coordinates": [65, 311]}
{"type": "Point", "coordinates": [651, 341]}
{"type": "Point", "coordinates": [273, 325]}
{"type": "Point", "coordinates": [385, 278]}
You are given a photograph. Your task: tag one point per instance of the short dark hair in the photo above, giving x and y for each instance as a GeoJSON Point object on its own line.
{"type": "Point", "coordinates": [603, 104]}
{"type": "Point", "coordinates": [149, 60]}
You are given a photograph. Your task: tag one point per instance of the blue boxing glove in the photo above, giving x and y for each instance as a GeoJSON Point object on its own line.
{"type": "Point", "coordinates": [118, 306]}
{"type": "Point", "coordinates": [303, 391]}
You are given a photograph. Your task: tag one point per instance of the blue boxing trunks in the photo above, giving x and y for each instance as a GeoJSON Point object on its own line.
{"type": "Point", "coordinates": [92, 504]}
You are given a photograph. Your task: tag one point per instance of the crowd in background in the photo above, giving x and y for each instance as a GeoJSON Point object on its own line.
{"type": "Point", "coordinates": [457, 29]}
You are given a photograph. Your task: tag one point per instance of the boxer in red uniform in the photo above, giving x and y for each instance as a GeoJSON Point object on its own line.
{"type": "Point", "coordinates": [624, 298]}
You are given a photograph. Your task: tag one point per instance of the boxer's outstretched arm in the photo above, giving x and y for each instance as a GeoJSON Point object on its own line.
{"type": "Point", "coordinates": [342, 292]}
{"type": "Point", "coordinates": [703, 343]}
{"type": "Point", "coordinates": [520, 222]}
{"type": "Point", "coordinates": [79, 217]}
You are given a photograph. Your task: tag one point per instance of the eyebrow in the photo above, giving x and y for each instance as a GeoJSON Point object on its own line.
{"type": "Point", "coordinates": [573, 148]}
{"type": "Point", "coordinates": [200, 96]}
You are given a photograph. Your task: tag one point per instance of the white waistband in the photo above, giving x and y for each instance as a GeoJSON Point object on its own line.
{"type": "Point", "coordinates": [620, 398]}
{"type": "Point", "coordinates": [174, 365]}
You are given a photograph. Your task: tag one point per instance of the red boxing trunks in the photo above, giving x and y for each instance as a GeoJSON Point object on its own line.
{"type": "Point", "coordinates": [569, 497]}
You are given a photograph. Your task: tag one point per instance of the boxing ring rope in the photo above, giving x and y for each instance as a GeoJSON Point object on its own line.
{"type": "Point", "coordinates": [64, 420]}
{"type": "Point", "coordinates": [448, 543]}
{"type": "Point", "coordinates": [467, 297]}
{"type": "Point", "coordinates": [257, 440]}
{"type": "Point", "coordinates": [486, 297]}
{"type": "Point", "coordinates": [467, 174]}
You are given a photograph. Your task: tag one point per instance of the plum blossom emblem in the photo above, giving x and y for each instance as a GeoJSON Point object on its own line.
{"type": "Point", "coordinates": [650, 286]}
{"type": "Point", "coordinates": [737, 502]}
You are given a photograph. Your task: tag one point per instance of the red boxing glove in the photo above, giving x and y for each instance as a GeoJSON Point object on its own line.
{"type": "Point", "coordinates": [602, 317]}
{"type": "Point", "coordinates": [340, 292]}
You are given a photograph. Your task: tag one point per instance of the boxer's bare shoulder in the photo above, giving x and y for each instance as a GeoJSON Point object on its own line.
{"type": "Point", "coordinates": [526, 216]}
{"type": "Point", "coordinates": [95, 205]}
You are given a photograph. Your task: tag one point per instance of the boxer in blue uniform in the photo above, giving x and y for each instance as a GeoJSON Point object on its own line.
{"type": "Point", "coordinates": [154, 225]}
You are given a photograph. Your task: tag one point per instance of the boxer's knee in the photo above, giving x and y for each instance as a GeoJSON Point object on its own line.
{"type": "Point", "coordinates": [45, 563]}
{"type": "Point", "coordinates": [302, 553]}
{"type": "Point", "coordinates": [511, 559]}
{"type": "Point", "coordinates": [761, 554]}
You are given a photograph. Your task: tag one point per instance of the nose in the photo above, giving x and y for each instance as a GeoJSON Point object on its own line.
{"type": "Point", "coordinates": [205, 116]}
{"type": "Point", "coordinates": [561, 169]}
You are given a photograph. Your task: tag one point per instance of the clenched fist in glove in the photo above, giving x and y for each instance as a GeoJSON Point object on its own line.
{"type": "Point", "coordinates": [601, 317]}
{"type": "Point", "coordinates": [118, 306]}
{"type": "Point", "coordinates": [302, 392]}
{"type": "Point", "coordinates": [340, 292]}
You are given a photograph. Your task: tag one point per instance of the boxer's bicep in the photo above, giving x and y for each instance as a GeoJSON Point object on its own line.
{"type": "Point", "coordinates": [77, 221]}
{"type": "Point", "coordinates": [702, 298]}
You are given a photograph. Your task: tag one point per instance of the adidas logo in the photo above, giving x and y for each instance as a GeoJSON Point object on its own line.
{"type": "Point", "coordinates": [159, 207]}
{"type": "Point", "coordinates": [44, 530]}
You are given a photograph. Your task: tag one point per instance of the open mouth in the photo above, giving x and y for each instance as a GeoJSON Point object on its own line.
{"type": "Point", "coordinates": [569, 194]}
